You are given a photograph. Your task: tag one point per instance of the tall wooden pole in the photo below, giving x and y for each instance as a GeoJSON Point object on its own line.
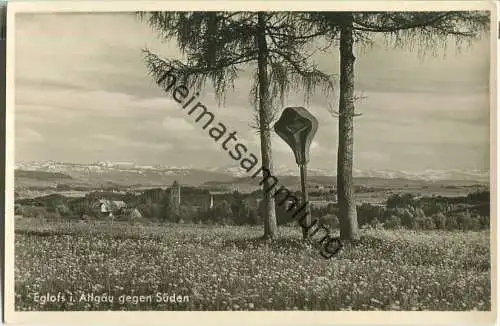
{"type": "Point", "coordinates": [305, 199]}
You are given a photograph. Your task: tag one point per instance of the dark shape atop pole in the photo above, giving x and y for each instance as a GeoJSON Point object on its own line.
{"type": "Point", "coordinates": [297, 127]}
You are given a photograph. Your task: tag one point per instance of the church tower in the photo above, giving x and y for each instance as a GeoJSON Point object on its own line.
{"type": "Point", "coordinates": [174, 204]}
{"type": "Point", "coordinates": [175, 194]}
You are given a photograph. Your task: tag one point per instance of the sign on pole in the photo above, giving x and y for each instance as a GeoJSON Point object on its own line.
{"type": "Point", "coordinates": [297, 127]}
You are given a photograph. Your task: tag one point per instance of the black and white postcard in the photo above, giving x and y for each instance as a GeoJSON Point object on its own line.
{"type": "Point", "coordinates": [264, 162]}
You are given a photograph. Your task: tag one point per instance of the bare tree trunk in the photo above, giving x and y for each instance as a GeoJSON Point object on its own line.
{"type": "Point", "coordinates": [265, 116]}
{"type": "Point", "coordinates": [347, 205]}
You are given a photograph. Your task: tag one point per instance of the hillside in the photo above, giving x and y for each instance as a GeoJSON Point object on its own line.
{"type": "Point", "coordinates": [59, 176]}
{"type": "Point", "coordinates": [41, 175]}
{"type": "Point", "coordinates": [293, 182]}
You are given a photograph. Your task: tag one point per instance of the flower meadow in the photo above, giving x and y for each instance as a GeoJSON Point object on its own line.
{"type": "Point", "coordinates": [103, 266]}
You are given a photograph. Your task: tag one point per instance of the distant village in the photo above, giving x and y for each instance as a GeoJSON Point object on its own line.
{"type": "Point", "coordinates": [176, 203]}
{"type": "Point", "coordinates": [195, 199]}
{"type": "Point", "coordinates": [195, 205]}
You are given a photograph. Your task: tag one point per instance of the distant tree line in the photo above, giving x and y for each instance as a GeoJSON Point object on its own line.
{"type": "Point", "coordinates": [409, 211]}
{"type": "Point", "coordinates": [471, 212]}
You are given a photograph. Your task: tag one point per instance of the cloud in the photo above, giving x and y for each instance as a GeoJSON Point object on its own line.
{"type": "Point", "coordinates": [29, 136]}
{"type": "Point", "coordinates": [278, 144]}
{"type": "Point", "coordinates": [109, 141]}
{"type": "Point", "coordinates": [372, 156]}
{"type": "Point", "coordinates": [318, 149]}
{"type": "Point", "coordinates": [82, 91]}
{"type": "Point", "coordinates": [177, 124]}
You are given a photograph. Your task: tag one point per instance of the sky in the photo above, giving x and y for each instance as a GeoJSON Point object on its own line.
{"type": "Point", "coordinates": [83, 94]}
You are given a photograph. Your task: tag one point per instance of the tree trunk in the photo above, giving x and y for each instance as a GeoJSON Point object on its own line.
{"type": "Point", "coordinates": [345, 192]}
{"type": "Point", "coordinates": [265, 116]}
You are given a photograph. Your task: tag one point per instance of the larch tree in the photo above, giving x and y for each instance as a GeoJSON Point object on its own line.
{"type": "Point", "coordinates": [219, 45]}
{"type": "Point", "coordinates": [424, 32]}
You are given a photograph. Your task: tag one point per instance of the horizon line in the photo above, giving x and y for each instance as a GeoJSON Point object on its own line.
{"type": "Point", "coordinates": [139, 165]}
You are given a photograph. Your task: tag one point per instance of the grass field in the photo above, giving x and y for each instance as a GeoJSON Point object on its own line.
{"type": "Point", "coordinates": [228, 268]}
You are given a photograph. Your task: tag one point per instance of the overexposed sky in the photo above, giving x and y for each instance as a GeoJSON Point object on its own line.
{"type": "Point", "coordinates": [83, 95]}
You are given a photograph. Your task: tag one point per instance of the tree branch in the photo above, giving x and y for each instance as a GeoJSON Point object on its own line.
{"type": "Point", "coordinates": [201, 70]}
{"type": "Point", "coordinates": [410, 25]}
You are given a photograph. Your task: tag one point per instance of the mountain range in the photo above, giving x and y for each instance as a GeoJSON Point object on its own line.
{"type": "Point", "coordinates": [134, 174]}
{"type": "Point", "coordinates": [427, 175]}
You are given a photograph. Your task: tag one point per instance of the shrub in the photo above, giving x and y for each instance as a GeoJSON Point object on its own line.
{"type": "Point", "coordinates": [223, 213]}
{"type": "Point", "coordinates": [479, 197]}
{"type": "Point", "coordinates": [331, 209]}
{"type": "Point", "coordinates": [439, 221]}
{"type": "Point", "coordinates": [53, 216]}
{"type": "Point", "coordinates": [405, 200]}
{"type": "Point", "coordinates": [408, 220]}
{"type": "Point", "coordinates": [475, 224]}
{"type": "Point", "coordinates": [62, 210]}
{"type": "Point", "coordinates": [464, 220]}
{"type": "Point", "coordinates": [393, 222]}
{"type": "Point", "coordinates": [254, 217]}
{"type": "Point", "coordinates": [158, 211]}
{"type": "Point", "coordinates": [85, 217]}
{"type": "Point", "coordinates": [376, 224]}
{"type": "Point", "coordinates": [18, 209]}
{"type": "Point", "coordinates": [418, 212]}
{"type": "Point", "coordinates": [146, 210]}
{"type": "Point", "coordinates": [485, 222]}
{"type": "Point", "coordinates": [33, 211]}
{"type": "Point", "coordinates": [187, 214]}
{"type": "Point", "coordinates": [483, 209]}
{"type": "Point", "coordinates": [426, 223]}
{"type": "Point", "coordinates": [367, 213]}
{"type": "Point", "coordinates": [451, 223]}
{"type": "Point", "coordinates": [282, 215]}
{"type": "Point", "coordinates": [329, 220]}
{"type": "Point", "coordinates": [241, 211]}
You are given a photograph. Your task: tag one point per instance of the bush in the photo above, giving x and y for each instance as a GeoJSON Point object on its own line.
{"type": "Point", "coordinates": [283, 216]}
{"type": "Point", "coordinates": [464, 221]}
{"type": "Point", "coordinates": [158, 211]}
{"type": "Point", "coordinates": [426, 223]}
{"type": "Point", "coordinates": [53, 216]}
{"type": "Point", "coordinates": [331, 209]}
{"type": "Point", "coordinates": [451, 223]}
{"type": "Point", "coordinates": [62, 210]}
{"type": "Point", "coordinates": [187, 214]}
{"type": "Point", "coordinates": [376, 224]}
{"type": "Point", "coordinates": [33, 211]}
{"type": "Point", "coordinates": [408, 220]}
{"type": "Point", "coordinates": [241, 212]}
{"type": "Point", "coordinates": [367, 213]}
{"type": "Point", "coordinates": [222, 213]}
{"type": "Point", "coordinates": [485, 222]}
{"type": "Point", "coordinates": [18, 209]}
{"type": "Point", "coordinates": [146, 210]}
{"type": "Point", "coordinates": [254, 217]}
{"type": "Point", "coordinates": [476, 224]}
{"type": "Point", "coordinates": [418, 212]}
{"type": "Point", "coordinates": [329, 220]}
{"type": "Point", "coordinates": [393, 222]}
{"type": "Point", "coordinates": [439, 221]}
{"type": "Point", "coordinates": [405, 200]}
{"type": "Point", "coordinates": [479, 197]}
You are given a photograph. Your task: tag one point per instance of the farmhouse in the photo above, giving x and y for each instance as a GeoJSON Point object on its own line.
{"type": "Point", "coordinates": [109, 207]}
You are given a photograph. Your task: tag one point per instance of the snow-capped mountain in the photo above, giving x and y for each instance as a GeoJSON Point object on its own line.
{"type": "Point", "coordinates": [427, 175]}
{"type": "Point", "coordinates": [236, 171]}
